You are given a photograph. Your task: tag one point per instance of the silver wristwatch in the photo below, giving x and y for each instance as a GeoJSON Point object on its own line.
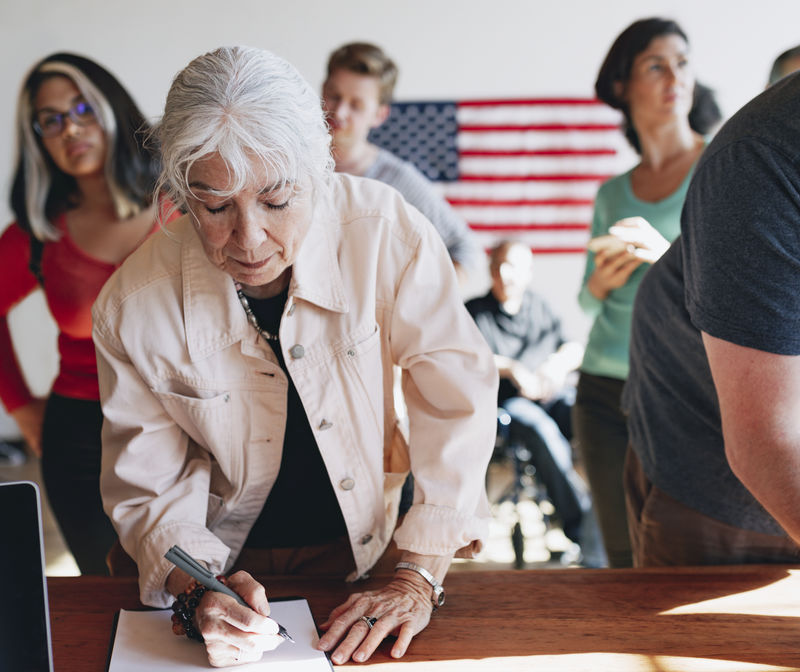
{"type": "Point", "coordinates": [438, 590]}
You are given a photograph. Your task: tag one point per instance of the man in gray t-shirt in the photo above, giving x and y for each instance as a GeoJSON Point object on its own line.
{"type": "Point", "coordinates": [357, 92]}
{"type": "Point", "coordinates": [713, 394]}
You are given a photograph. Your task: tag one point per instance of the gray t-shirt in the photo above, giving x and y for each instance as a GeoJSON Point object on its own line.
{"type": "Point", "coordinates": [417, 190]}
{"type": "Point", "coordinates": [735, 274]}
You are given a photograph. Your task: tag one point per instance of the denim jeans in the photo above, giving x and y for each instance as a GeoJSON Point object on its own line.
{"type": "Point", "coordinates": [551, 456]}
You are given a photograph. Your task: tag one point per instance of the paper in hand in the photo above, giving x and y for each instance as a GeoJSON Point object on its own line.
{"type": "Point", "coordinates": [144, 642]}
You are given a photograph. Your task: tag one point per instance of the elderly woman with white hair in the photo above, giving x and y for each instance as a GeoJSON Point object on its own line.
{"type": "Point", "coordinates": [245, 360]}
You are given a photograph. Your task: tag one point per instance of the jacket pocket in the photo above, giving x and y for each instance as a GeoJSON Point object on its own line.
{"type": "Point", "coordinates": [207, 420]}
{"type": "Point", "coordinates": [214, 511]}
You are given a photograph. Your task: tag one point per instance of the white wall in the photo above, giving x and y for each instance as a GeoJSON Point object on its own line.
{"type": "Point", "coordinates": [445, 48]}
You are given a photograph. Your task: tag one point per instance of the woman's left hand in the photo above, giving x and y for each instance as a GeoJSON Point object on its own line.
{"type": "Point", "coordinates": [403, 608]}
{"type": "Point", "coordinates": [637, 231]}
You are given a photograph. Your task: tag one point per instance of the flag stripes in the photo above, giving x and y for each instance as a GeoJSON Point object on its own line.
{"type": "Point", "coordinates": [522, 169]}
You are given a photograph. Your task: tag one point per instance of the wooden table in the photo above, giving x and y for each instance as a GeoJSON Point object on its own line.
{"type": "Point", "coordinates": [736, 619]}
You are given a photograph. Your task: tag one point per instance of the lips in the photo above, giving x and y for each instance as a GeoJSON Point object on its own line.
{"type": "Point", "coordinates": [78, 148]}
{"type": "Point", "coordinates": [253, 265]}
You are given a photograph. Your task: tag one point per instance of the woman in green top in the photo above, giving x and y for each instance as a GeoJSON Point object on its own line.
{"type": "Point", "coordinates": [646, 75]}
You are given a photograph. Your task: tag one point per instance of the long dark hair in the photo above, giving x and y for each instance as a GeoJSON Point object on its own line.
{"type": "Point", "coordinates": [40, 190]}
{"type": "Point", "coordinates": [705, 112]}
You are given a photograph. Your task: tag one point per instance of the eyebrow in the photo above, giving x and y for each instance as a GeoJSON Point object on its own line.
{"type": "Point", "coordinates": [80, 97]}
{"type": "Point", "coordinates": [661, 57]}
{"type": "Point", "coordinates": [202, 186]}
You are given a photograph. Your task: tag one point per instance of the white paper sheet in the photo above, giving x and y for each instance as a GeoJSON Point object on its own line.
{"type": "Point", "coordinates": [144, 642]}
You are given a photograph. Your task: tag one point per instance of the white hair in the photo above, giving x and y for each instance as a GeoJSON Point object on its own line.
{"type": "Point", "coordinates": [36, 169]}
{"type": "Point", "coordinates": [249, 106]}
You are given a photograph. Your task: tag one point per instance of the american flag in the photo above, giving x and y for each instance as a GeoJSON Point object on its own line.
{"type": "Point", "coordinates": [519, 169]}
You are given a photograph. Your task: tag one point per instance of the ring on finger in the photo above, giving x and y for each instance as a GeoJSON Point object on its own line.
{"type": "Point", "coordinates": [369, 620]}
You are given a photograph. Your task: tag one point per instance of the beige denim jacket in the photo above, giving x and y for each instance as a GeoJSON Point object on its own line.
{"type": "Point", "coordinates": [194, 401]}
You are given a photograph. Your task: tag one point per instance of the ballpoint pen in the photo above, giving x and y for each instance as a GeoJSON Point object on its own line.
{"type": "Point", "coordinates": [181, 559]}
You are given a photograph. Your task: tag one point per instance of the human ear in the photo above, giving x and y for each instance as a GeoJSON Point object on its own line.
{"type": "Point", "coordinates": [381, 115]}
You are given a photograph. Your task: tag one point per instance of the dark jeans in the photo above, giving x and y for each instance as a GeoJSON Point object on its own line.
{"type": "Point", "coordinates": [551, 456]}
{"type": "Point", "coordinates": [71, 470]}
{"type": "Point", "coordinates": [601, 430]}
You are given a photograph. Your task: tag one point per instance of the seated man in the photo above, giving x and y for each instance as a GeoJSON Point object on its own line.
{"type": "Point", "coordinates": [356, 94]}
{"type": "Point", "coordinates": [534, 360]}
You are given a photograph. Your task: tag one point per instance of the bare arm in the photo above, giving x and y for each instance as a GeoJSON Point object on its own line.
{"type": "Point", "coordinates": [759, 398]}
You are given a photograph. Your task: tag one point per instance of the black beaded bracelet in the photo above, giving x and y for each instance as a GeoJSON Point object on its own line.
{"type": "Point", "coordinates": [183, 611]}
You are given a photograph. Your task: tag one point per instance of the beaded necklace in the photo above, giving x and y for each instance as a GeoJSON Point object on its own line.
{"type": "Point", "coordinates": [251, 318]}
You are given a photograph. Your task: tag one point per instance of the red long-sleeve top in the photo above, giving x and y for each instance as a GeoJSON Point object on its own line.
{"type": "Point", "coordinates": [72, 281]}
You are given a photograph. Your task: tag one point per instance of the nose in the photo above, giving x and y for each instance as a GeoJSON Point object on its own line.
{"type": "Point", "coordinates": [339, 110]}
{"type": "Point", "coordinates": [676, 74]}
{"type": "Point", "coordinates": [251, 230]}
{"type": "Point", "coordinates": [69, 127]}
{"type": "Point", "coordinates": [506, 273]}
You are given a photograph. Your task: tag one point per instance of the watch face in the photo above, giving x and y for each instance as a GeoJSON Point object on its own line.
{"type": "Point", "coordinates": [438, 597]}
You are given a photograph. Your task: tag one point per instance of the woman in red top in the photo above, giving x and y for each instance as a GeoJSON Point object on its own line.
{"type": "Point", "coordinates": [82, 196]}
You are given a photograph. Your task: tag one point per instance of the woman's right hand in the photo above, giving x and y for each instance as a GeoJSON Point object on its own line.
{"type": "Point", "coordinates": [235, 634]}
{"type": "Point", "coordinates": [29, 419]}
{"type": "Point", "coordinates": [612, 270]}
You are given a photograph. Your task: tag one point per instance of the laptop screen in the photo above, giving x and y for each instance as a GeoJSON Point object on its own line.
{"type": "Point", "coordinates": [24, 614]}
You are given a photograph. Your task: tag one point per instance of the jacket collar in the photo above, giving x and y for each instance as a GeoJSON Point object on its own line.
{"type": "Point", "coordinates": [316, 275]}
{"type": "Point", "coordinates": [213, 317]}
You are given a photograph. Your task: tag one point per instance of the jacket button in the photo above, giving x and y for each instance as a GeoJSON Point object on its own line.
{"type": "Point", "coordinates": [347, 484]}
{"type": "Point", "coordinates": [366, 539]}
{"type": "Point", "coordinates": [325, 424]}
{"type": "Point", "coordinates": [297, 351]}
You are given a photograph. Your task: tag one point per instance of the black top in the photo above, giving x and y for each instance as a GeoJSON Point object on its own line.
{"type": "Point", "coordinates": [301, 509]}
{"type": "Point", "coordinates": [735, 274]}
{"type": "Point", "coordinates": [529, 336]}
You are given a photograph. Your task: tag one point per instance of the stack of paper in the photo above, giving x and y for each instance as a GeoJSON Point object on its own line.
{"type": "Point", "coordinates": [144, 642]}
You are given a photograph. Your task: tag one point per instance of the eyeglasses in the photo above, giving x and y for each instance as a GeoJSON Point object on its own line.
{"type": "Point", "coordinates": [50, 124]}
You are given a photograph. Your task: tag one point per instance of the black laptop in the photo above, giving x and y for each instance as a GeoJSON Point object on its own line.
{"type": "Point", "coordinates": [24, 615]}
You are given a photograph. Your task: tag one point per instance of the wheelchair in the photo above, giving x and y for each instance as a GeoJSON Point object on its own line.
{"type": "Point", "coordinates": [524, 485]}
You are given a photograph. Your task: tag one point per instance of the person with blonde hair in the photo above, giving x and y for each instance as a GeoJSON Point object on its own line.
{"type": "Point", "coordinates": [357, 93]}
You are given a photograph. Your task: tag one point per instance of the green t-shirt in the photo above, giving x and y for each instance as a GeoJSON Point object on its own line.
{"type": "Point", "coordinates": [607, 349]}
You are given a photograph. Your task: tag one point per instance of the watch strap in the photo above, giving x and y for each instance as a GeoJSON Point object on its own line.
{"type": "Point", "coordinates": [438, 590]}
